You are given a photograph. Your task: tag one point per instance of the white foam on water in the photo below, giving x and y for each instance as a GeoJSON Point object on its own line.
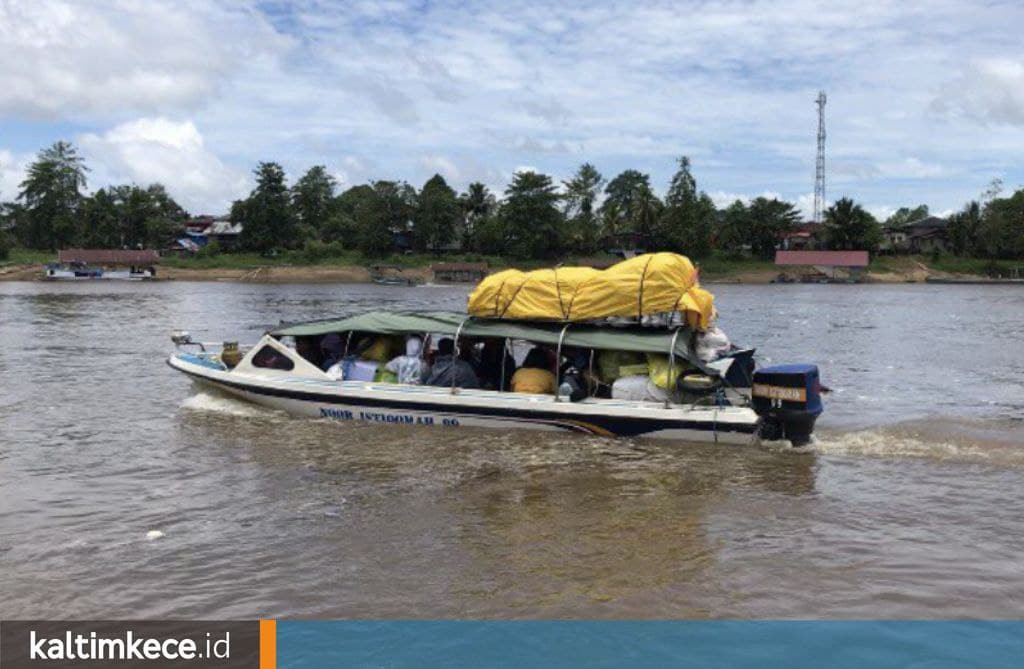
{"type": "Point", "coordinates": [991, 443]}
{"type": "Point", "coordinates": [154, 534]}
{"type": "Point", "coordinates": [221, 404]}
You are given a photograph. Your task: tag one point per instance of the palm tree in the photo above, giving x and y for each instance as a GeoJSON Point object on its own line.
{"type": "Point", "coordinates": [848, 226]}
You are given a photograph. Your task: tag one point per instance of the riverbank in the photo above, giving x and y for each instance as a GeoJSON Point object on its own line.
{"type": "Point", "coordinates": [246, 267]}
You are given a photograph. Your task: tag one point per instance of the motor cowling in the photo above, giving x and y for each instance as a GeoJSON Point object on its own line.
{"type": "Point", "coordinates": [788, 399]}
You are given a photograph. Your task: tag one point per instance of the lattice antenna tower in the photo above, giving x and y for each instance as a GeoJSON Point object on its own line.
{"type": "Point", "coordinates": [819, 166]}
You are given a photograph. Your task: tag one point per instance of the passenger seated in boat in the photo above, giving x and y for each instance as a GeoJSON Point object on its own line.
{"type": "Point", "coordinates": [535, 376]}
{"type": "Point", "coordinates": [330, 349]}
{"type": "Point", "coordinates": [306, 347]}
{"type": "Point", "coordinates": [576, 374]}
{"type": "Point", "coordinates": [448, 367]}
{"type": "Point", "coordinates": [410, 367]}
{"type": "Point", "coordinates": [492, 357]}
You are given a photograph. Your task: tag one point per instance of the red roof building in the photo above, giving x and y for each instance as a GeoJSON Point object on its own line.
{"type": "Point", "coordinates": [858, 259]}
{"type": "Point", "coordinates": [141, 257]}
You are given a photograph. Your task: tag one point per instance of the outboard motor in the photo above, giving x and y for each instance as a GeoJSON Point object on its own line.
{"type": "Point", "coordinates": [788, 400]}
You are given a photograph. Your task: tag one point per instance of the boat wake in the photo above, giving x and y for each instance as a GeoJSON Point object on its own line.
{"type": "Point", "coordinates": [221, 404]}
{"type": "Point", "coordinates": [990, 442]}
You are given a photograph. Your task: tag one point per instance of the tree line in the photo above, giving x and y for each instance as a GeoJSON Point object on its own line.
{"type": "Point", "coordinates": [534, 218]}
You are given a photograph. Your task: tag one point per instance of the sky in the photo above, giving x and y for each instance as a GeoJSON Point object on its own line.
{"type": "Point", "coordinates": [925, 99]}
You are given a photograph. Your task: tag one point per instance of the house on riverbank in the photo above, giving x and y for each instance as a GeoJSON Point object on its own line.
{"type": "Point", "coordinates": [923, 236]}
{"type": "Point", "coordinates": [803, 237]}
{"type": "Point", "coordinates": [459, 272]}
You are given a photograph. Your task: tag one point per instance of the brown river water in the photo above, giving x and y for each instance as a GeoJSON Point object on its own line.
{"type": "Point", "coordinates": [125, 492]}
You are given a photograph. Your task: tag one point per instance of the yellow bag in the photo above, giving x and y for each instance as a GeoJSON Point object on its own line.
{"type": "Point", "coordinates": [615, 364]}
{"type": "Point", "coordinates": [382, 350]}
{"type": "Point", "coordinates": [658, 364]}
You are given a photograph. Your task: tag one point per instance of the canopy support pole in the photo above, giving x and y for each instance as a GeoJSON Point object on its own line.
{"type": "Point", "coordinates": [590, 375]}
{"type": "Point", "coordinates": [504, 352]}
{"type": "Point", "coordinates": [558, 359]}
{"type": "Point", "coordinates": [456, 351]}
{"type": "Point", "coordinates": [671, 368]}
{"type": "Point", "coordinates": [348, 340]}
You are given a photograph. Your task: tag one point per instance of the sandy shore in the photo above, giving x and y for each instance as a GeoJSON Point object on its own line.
{"type": "Point", "coordinates": [912, 273]}
{"type": "Point", "coordinates": [271, 274]}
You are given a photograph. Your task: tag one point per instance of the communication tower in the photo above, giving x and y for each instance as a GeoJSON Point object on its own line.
{"type": "Point", "coordinates": [819, 167]}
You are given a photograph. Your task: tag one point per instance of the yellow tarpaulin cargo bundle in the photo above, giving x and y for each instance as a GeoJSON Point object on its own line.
{"type": "Point", "coordinates": [653, 283]}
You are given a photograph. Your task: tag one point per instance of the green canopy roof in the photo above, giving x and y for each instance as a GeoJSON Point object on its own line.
{"type": "Point", "coordinates": [631, 338]}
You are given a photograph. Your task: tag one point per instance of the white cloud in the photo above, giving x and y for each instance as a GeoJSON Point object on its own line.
{"type": "Point", "coordinates": [440, 165]}
{"type": "Point", "coordinates": [988, 90]}
{"type": "Point", "coordinates": [12, 173]}
{"type": "Point", "coordinates": [150, 150]}
{"type": "Point", "coordinates": [393, 90]}
{"type": "Point", "coordinates": [73, 60]}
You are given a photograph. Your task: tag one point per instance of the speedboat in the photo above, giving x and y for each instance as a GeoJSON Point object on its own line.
{"type": "Point", "coordinates": [650, 307]}
{"type": "Point", "coordinates": [728, 405]}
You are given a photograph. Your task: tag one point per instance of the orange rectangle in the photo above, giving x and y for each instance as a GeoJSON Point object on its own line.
{"type": "Point", "coordinates": [268, 644]}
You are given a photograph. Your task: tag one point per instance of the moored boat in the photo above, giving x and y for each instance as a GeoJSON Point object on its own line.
{"type": "Point", "coordinates": [79, 271]}
{"type": "Point", "coordinates": [116, 264]}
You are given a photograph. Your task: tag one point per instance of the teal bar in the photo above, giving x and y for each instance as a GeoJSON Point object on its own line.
{"type": "Point", "coordinates": [650, 644]}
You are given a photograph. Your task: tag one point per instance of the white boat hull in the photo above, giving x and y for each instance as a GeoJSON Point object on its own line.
{"type": "Point", "coordinates": [386, 403]}
{"type": "Point", "coordinates": [116, 275]}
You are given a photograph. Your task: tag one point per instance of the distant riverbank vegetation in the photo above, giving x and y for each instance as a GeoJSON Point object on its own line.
{"type": "Point", "coordinates": [535, 219]}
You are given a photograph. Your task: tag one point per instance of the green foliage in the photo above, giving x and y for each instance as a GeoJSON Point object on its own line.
{"type": "Point", "coordinates": [367, 217]}
{"type": "Point", "coordinates": [582, 224]}
{"type": "Point", "coordinates": [142, 217]}
{"type": "Point", "coordinates": [316, 251]}
{"type": "Point", "coordinates": [437, 215]}
{"type": "Point", "coordinates": [758, 226]}
{"type": "Point", "coordinates": [339, 227]}
{"type": "Point", "coordinates": [848, 226]}
{"type": "Point", "coordinates": [313, 197]}
{"type": "Point", "coordinates": [55, 214]}
{"type": "Point", "coordinates": [379, 213]}
{"type": "Point", "coordinates": [724, 264]}
{"type": "Point", "coordinates": [267, 215]}
{"type": "Point", "coordinates": [52, 193]}
{"type": "Point", "coordinates": [768, 220]}
{"type": "Point", "coordinates": [100, 221]}
{"type": "Point", "coordinates": [209, 250]}
{"type": "Point", "coordinates": [905, 215]}
{"type": "Point", "coordinates": [489, 236]}
{"type": "Point", "coordinates": [530, 220]}
{"type": "Point", "coordinates": [731, 236]}
{"type": "Point", "coordinates": [963, 229]}
{"type": "Point", "coordinates": [5, 246]}
{"type": "Point", "coordinates": [478, 206]}
{"type": "Point", "coordinates": [630, 205]}
{"type": "Point", "coordinates": [1001, 229]}
{"type": "Point", "coordinates": [688, 221]}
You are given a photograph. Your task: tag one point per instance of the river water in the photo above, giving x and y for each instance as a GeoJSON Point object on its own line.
{"type": "Point", "coordinates": [127, 493]}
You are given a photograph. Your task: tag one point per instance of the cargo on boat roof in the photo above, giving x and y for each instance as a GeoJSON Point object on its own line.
{"type": "Point", "coordinates": [653, 283]}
